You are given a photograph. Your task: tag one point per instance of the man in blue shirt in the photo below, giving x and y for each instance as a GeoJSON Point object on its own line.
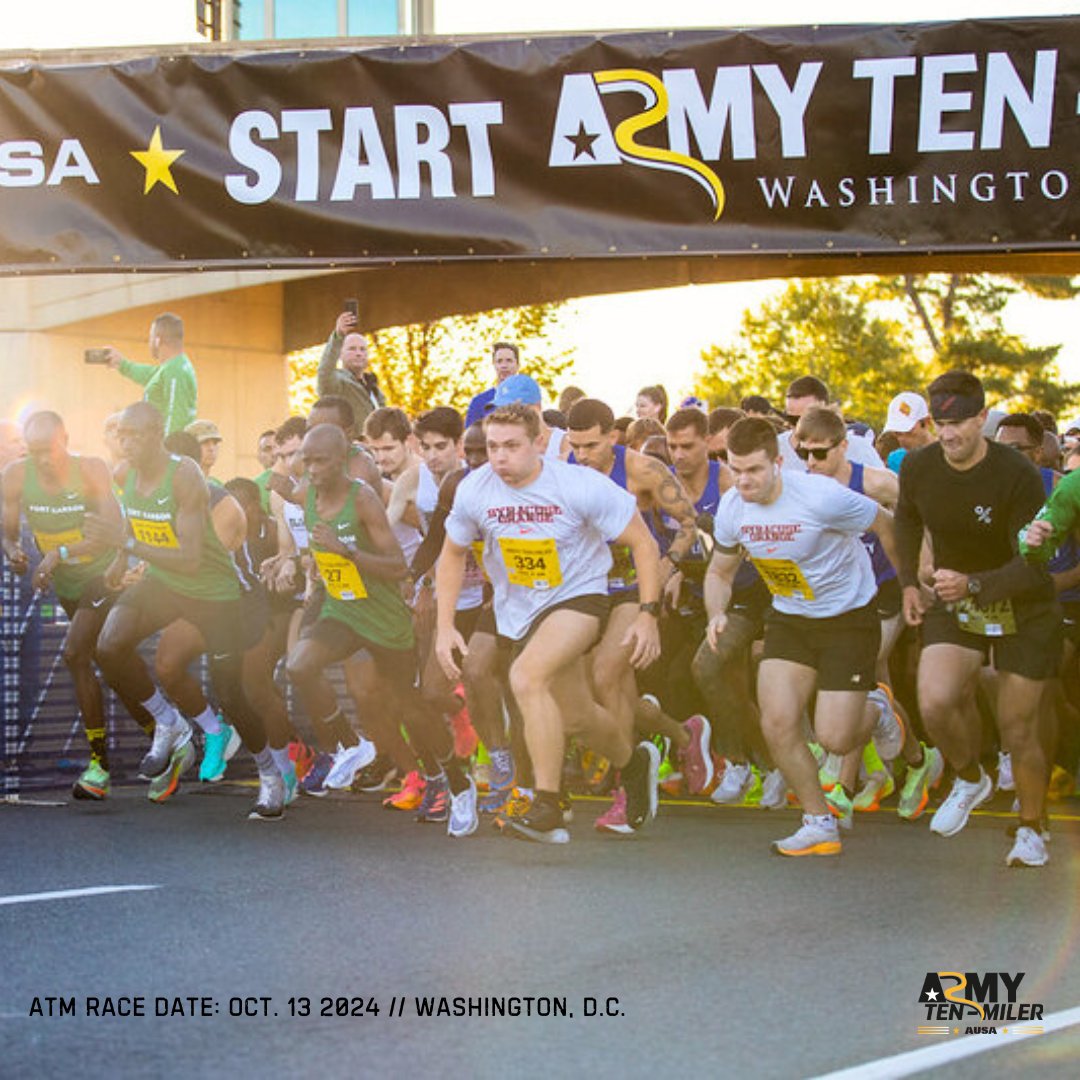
{"type": "Point", "coordinates": [507, 361]}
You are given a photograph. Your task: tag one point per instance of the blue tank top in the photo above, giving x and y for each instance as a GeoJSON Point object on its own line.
{"type": "Point", "coordinates": [883, 569]}
{"type": "Point", "coordinates": [622, 577]}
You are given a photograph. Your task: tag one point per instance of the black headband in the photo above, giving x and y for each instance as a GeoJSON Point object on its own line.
{"type": "Point", "coordinates": [955, 406]}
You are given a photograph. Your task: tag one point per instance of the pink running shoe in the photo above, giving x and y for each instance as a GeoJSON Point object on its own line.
{"type": "Point", "coordinates": [695, 761]}
{"type": "Point", "coordinates": [613, 819]}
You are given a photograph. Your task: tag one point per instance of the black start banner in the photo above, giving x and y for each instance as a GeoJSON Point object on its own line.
{"type": "Point", "coordinates": [945, 137]}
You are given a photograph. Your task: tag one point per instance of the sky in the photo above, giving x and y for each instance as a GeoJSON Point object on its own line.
{"type": "Point", "coordinates": [622, 341]}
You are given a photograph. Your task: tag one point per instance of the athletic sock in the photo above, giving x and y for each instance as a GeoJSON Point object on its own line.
{"type": "Point", "coordinates": [161, 709]}
{"type": "Point", "coordinates": [281, 759]}
{"type": "Point", "coordinates": [551, 797]}
{"type": "Point", "coordinates": [501, 758]}
{"type": "Point", "coordinates": [970, 774]}
{"type": "Point", "coordinates": [99, 746]}
{"type": "Point", "coordinates": [922, 758]}
{"type": "Point", "coordinates": [264, 759]}
{"type": "Point", "coordinates": [209, 721]}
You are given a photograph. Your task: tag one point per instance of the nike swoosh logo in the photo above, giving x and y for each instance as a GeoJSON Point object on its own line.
{"type": "Point", "coordinates": [162, 501]}
{"type": "Point", "coordinates": [98, 602]}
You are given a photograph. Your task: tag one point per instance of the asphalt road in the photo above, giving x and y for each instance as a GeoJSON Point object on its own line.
{"type": "Point", "coordinates": [724, 960]}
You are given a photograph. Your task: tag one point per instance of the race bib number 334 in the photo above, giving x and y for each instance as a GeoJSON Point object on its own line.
{"type": "Point", "coordinates": [532, 563]}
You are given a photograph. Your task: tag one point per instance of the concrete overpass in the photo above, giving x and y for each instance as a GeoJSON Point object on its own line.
{"type": "Point", "coordinates": [242, 324]}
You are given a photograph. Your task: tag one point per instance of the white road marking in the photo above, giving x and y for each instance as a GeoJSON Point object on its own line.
{"type": "Point", "coordinates": [72, 894]}
{"type": "Point", "coordinates": [942, 1053]}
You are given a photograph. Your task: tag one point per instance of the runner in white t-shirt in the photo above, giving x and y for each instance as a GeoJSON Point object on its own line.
{"type": "Point", "coordinates": [546, 527]}
{"type": "Point", "coordinates": [802, 533]}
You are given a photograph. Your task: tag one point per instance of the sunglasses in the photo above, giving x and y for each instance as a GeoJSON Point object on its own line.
{"type": "Point", "coordinates": [818, 453]}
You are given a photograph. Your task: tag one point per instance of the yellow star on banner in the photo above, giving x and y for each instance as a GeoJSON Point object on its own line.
{"type": "Point", "coordinates": [157, 162]}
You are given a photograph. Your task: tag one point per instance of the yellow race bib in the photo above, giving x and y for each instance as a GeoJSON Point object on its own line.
{"type": "Point", "coordinates": [532, 563]}
{"type": "Point", "coordinates": [340, 576]}
{"type": "Point", "coordinates": [783, 578]}
{"type": "Point", "coordinates": [157, 534]}
{"type": "Point", "coordinates": [987, 620]}
{"type": "Point", "coordinates": [47, 542]}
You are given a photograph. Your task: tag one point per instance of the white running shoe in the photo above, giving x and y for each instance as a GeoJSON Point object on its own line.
{"type": "Point", "coordinates": [818, 835]}
{"type": "Point", "coordinates": [464, 820]}
{"type": "Point", "coordinates": [774, 790]}
{"type": "Point", "coordinates": [952, 815]}
{"type": "Point", "coordinates": [734, 784]}
{"type": "Point", "coordinates": [270, 805]}
{"type": "Point", "coordinates": [1005, 781]}
{"type": "Point", "coordinates": [167, 739]}
{"type": "Point", "coordinates": [1029, 849]}
{"type": "Point", "coordinates": [888, 733]}
{"type": "Point", "coordinates": [348, 761]}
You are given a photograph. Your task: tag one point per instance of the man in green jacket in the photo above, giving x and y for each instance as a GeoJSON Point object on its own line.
{"type": "Point", "coordinates": [169, 384]}
{"type": "Point", "coordinates": [354, 380]}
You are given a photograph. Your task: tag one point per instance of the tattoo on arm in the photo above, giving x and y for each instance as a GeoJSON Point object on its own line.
{"type": "Point", "coordinates": [671, 499]}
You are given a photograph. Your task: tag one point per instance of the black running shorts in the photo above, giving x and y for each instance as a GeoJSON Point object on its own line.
{"type": "Point", "coordinates": [842, 649]}
{"type": "Point", "coordinates": [221, 622]}
{"type": "Point", "coordinates": [1034, 651]}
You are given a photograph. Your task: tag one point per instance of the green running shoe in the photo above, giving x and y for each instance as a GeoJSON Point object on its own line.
{"type": "Point", "coordinates": [93, 784]}
{"type": "Point", "coordinates": [165, 786]}
{"type": "Point", "coordinates": [840, 806]}
{"type": "Point", "coordinates": [757, 789]}
{"type": "Point", "coordinates": [915, 793]}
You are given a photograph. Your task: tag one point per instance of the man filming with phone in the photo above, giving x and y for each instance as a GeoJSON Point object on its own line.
{"type": "Point", "coordinates": [353, 381]}
{"type": "Point", "coordinates": [169, 383]}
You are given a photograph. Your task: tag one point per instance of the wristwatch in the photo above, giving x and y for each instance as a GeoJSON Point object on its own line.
{"type": "Point", "coordinates": [652, 607]}
{"type": "Point", "coordinates": [129, 545]}
{"type": "Point", "coordinates": [974, 586]}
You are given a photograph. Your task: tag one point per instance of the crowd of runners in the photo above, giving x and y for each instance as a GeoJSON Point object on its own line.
{"type": "Point", "coordinates": [710, 603]}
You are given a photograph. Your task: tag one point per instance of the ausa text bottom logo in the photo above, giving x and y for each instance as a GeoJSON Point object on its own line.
{"type": "Point", "coordinates": [970, 1003]}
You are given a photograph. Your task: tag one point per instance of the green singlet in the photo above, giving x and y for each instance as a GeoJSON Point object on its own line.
{"type": "Point", "coordinates": [153, 521]}
{"type": "Point", "coordinates": [373, 608]}
{"type": "Point", "coordinates": [57, 520]}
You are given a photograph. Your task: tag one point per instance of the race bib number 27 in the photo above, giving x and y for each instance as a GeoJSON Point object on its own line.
{"type": "Point", "coordinates": [340, 576]}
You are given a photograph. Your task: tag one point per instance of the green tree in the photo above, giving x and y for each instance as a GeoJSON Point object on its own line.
{"type": "Point", "coordinates": [828, 327]}
{"type": "Point", "coordinates": [448, 361]}
{"type": "Point", "coordinates": [961, 320]}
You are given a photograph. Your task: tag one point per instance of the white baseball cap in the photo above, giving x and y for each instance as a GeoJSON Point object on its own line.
{"type": "Point", "coordinates": [905, 411]}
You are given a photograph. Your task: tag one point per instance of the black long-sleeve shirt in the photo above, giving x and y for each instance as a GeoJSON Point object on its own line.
{"type": "Point", "coordinates": [974, 518]}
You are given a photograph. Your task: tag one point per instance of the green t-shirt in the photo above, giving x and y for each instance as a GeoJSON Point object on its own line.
{"type": "Point", "coordinates": [170, 387]}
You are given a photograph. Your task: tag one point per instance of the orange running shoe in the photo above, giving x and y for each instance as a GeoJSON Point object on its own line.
{"type": "Point", "coordinates": [410, 796]}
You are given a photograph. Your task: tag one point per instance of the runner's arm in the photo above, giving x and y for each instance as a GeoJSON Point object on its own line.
{"type": "Point", "coordinates": [432, 543]}
{"type": "Point", "coordinates": [449, 573]}
{"type": "Point", "coordinates": [644, 634]}
{"type": "Point", "coordinates": [885, 529]}
{"type": "Point", "coordinates": [719, 578]}
{"type": "Point", "coordinates": [12, 486]}
{"type": "Point", "coordinates": [403, 494]}
{"type": "Point", "coordinates": [100, 494]}
{"type": "Point", "coordinates": [386, 561]}
{"type": "Point", "coordinates": [908, 530]}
